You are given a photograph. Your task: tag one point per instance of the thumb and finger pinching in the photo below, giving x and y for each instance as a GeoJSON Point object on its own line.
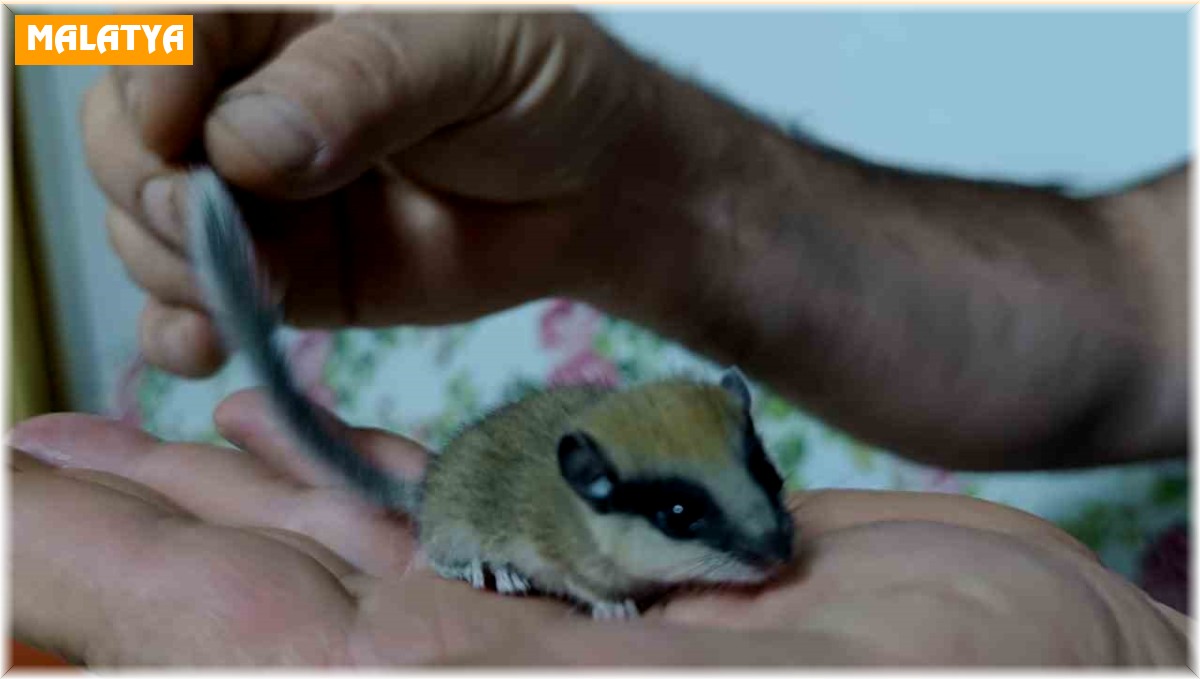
{"type": "Point", "coordinates": [296, 106]}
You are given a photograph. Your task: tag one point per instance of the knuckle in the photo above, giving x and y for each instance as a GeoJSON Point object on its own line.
{"type": "Point", "coordinates": [147, 264]}
{"type": "Point", "coordinates": [93, 114]}
{"type": "Point", "coordinates": [87, 106]}
{"type": "Point", "coordinates": [122, 237]}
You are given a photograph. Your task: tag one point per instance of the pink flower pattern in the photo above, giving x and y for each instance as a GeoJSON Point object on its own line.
{"type": "Point", "coordinates": [568, 332]}
{"type": "Point", "coordinates": [942, 481]}
{"type": "Point", "coordinates": [569, 335]}
{"type": "Point", "coordinates": [307, 357]}
{"type": "Point", "coordinates": [568, 327]}
{"type": "Point", "coordinates": [586, 367]}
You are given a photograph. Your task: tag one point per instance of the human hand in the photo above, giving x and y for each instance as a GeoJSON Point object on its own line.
{"type": "Point", "coordinates": [398, 166]}
{"type": "Point", "coordinates": [130, 551]}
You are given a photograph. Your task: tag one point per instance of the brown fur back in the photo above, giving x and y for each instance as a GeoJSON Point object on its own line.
{"type": "Point", "coordinates": [703, 424]}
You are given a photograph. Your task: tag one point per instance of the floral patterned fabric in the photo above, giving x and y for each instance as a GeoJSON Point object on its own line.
{"type": "Point", "coordinates": [428, 382]}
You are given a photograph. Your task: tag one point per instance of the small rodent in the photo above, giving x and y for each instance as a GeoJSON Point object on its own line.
{"type": "Point", "coordinates": [599, 495]}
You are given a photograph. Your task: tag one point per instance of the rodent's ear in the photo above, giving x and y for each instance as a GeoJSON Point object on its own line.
{"type": "Point", "coordinates": [586, 469]}
{"type": "Point", "coordinates": [734, 382]}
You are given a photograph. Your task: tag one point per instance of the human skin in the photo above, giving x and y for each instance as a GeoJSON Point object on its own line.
{"type": "Point", "coordinates": [430, 168]}
{"type": "Point", "coordinates": [128, 551]}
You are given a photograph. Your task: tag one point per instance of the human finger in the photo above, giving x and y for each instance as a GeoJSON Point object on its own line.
{"type": "Point", "coordinates": [168, 104]}
{"type": "Point", "coordinates": [180, 340]}
{"type": "Point", "coordinates": [133, 177]}
{"type": "Point", "coordinates": [340, 96]}
{"type": "Point", "coordinates": [185, 593]}
{"type": "Point", "coordinates": [155, 267]}
{"type": "Point", "coordinates": [219, 485]}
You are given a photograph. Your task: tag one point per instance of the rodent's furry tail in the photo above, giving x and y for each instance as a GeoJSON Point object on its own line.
{"type": "Point", "coordinates": [224, 260]}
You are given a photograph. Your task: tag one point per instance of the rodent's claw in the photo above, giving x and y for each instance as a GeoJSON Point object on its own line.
{"type": "Point", "coordinates": [471, 572]}
{"type": "Point", "coordinates": [509, 581]}
{"type": "Point", "coordinates": [615, 610]}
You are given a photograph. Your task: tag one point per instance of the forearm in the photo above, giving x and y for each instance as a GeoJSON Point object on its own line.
{"type": "Point", "coordinates": [971, 325]}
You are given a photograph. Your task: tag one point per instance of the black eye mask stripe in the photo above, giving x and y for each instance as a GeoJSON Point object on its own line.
{"type": "Point", "coordinates": [679, 508]}
{"type": "Point", "coordinates": [648, 498]}
{"type": "Point", "coordinates": [762, 470]}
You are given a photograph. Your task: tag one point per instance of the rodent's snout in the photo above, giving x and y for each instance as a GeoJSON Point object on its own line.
{"type": "Point", "coordinates": [773, 550]}
{"type": "Point", "coordinates": [785, 538]}
{"type": "Point", "coordinates": [782, 547]}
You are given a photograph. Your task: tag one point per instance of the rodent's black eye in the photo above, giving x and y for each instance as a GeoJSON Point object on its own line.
{"type": "Point", "coordinates": [682, 519]}
{"type": "Point", "coordinates": [676, 507]}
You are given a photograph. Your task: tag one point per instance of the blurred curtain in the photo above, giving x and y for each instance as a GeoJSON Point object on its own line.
{"type": "Point", "coordinates": [30, 387]}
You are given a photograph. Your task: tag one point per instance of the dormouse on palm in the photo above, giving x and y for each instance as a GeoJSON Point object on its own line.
{"type": "Point", "coordinates": [602, 496]}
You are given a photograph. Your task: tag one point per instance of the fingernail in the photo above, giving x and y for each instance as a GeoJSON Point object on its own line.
{"type": "Point", "coordinates": [36, 449]}
{"type": "Point", "coordinates": [161, 205]}
{"type": "Point", "coordinates": [278, 132]}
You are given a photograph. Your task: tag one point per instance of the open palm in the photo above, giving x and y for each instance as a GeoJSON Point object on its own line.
{"type": "Point", "coordinates": [130, 551]}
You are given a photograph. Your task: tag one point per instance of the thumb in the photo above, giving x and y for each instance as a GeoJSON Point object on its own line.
{"type": "Point", "coordinates": [170, 103]}
{"type": "Point", "coordinates": [344, 94]}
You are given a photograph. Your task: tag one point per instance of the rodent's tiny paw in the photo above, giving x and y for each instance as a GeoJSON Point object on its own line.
{"type": "Point", "coordinates": [615, 610]}
{"type": "Point", "coordinates": [470, 572]}
{"type": "Point", "coordinates": [476, 575]}
{"type": "Point", "coordinates": [509, 581]}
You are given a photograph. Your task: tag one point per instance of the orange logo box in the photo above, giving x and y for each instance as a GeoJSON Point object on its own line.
{"type": "Point", "coordinates": [103, 40]}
